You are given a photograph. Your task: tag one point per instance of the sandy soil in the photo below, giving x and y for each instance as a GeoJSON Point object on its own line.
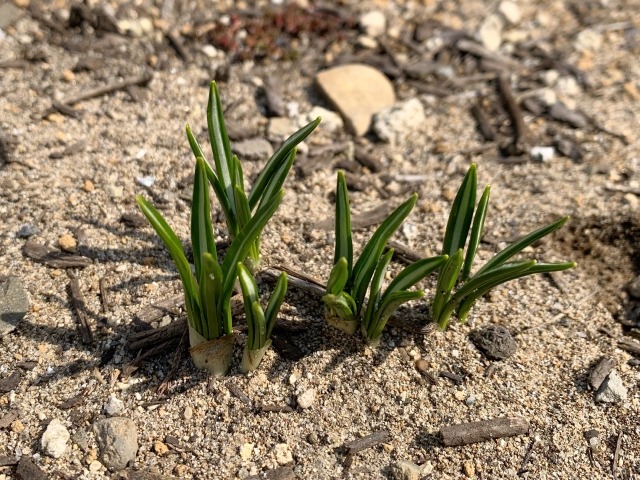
{"type": "Point", "coordinates": [561, 327]}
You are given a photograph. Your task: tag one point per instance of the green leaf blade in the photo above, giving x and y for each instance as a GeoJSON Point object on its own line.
{"type": "Point", "coordinates": [461, 214]}
{"type": "Point", "coordinates": [220, 143]}
{"type": "Point", "coordinates": [520, 244]}
{"type": "Point", "coordinates": [202, 239]}
{"type": "Point", "coordinates": [376, 288]}
{"type": "Point", "coordinates": [415, 272]}
{"type": "Point", "coordinates": [171, 241]}
{"type": "Point", "coordinates": [446, 281]}
{"type": "Point", "coordinates": [276, 159]}
{"type": "Point", "coordinates": [275, 302]}
{"type": "Point", "coordinates": [366, 264]}
{"type": "Point", "coordinates": [338, 277]}
{"type": "Point", "coordinates": [250, 296]}
{"type": "Point", "coordinates": [344, 242]}
{"type": "Point", "coordinates": [476, 232]}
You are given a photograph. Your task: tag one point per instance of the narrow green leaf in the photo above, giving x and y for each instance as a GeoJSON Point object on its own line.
{"type": "Point", "coordinates": [520, 245]}
{"type": "Point", "coordinates": [260, 338]}
{"type": "Point", "coordinates": [171, 241]}
{"type": "Point", "coordinates": [242, 243]}
{"type": "Point", "coordinates": [249, 296]}
{"type": "Point", "coordinates": [208, 297]}
{"type": "Point", "coordinates": [476, 232]}
{"type": "Point", "coordinates": [338, 277]}
{"type": "Point", "coordinates": [238, 180]}
{"type": "Point", "coordinates": [468, 302]}
{"type": "Point", "coordinates": [276, 159]}
{"type": "Point", "coordinates": [278, 178]}
{"type": "Point", "coordinates": [341, 305]}
{"type": "Point", "coordinates": [366, 264]}
{"type": "Point", "coordinates": [229, 215]}
{"type": "Point", "coordinates": [461, 213]}
{"type": "Point", "coordinates": [202, 239]}
{"type": "Point", "coordinates": [220, 143]}
{"type": "Point", "coordinates": [446, 281]}
{"type": "Point", "coordinates": [242, 207]}
{"type": "Point", "coordinates": [388, 306]}
{"type": "Point", "coordinates": [499, 275]}
{"type": "Point", "coordinates": [376, 288]}
{"type": "Point", "coordinates": [415, 272]}
{"type": "Point", "coordinates": [344, 243]}
{"type": "Point", "coordinates": [195, 146]}
{"type": "Point", "coordinates": [275, 302]}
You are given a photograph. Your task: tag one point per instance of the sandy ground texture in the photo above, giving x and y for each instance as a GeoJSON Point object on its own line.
{"type": "Point", "coordinates": [64, 173]}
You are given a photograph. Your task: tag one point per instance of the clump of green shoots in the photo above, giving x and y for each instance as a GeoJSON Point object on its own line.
{"type": "Point", "coordinates": [260, 322]}
{"type": "Point", "coordinates": [464, 223]}
{"type": "Point", "coordinates": [208, 292]}
{"type": "Point", "coordinates": [227, 178]}
{"type": "Point", "coordinates": [348, 283]}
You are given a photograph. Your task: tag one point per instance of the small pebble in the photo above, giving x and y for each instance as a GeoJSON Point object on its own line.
{"type": "Point", "coordinates": [160, 448]}
{"type": "Point", "coordinates": [27, 231]}
{"type": "Point", "coordinates": [469, 469]}
{"type": "Point", "coordinates": [88, 186]}
{"type": "Point", "coordinates": [313, 439]}
{"type": "Point", "coordinates": [68, 76]}
{"type": "Point", "coordinates": [283, 454]}
{"type": "Point", "coordinates": [188, 413]}
{"type": "Point", "coordinates": [180, 470]}
{"type": "Point", "coordinates": [422, 365]}
{"type": "Point", "coordinates": [307, 398]}
{"type": "Point", "coordinates": [405, 470]}
{"type": "Point", "coordinates": [95, 466]}
{"type": "Point", "coordinates": [246, 450]}
{"type": "Point", "coordinates": [146, 181]}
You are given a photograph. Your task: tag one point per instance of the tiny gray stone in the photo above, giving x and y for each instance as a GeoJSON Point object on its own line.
{"type": "Point", "coordinates": [373, 23]}
{"type": "Point", "coordinates": [81, 438]}
{"type": "Point", "coordinates": [405, 470]}
{"type": "Point", "coordinates": [14, 304]}
{"type": "Point", "coordinates": [27, 231]}
{"type": "Point", "coordinates": [253, 149]}
{"type": "Point", "coordinates": [494, 341]}
{"type": "Point", "coordinates": [117, 439]}
{"type": "Point", "coordinates": [54, 439]}
{"type": "Point", "coordinates": [114, 406]}
{"type": "Point", "coordinates": [396, 123]}
{"type": "Point", "coordinates": [612, 390]}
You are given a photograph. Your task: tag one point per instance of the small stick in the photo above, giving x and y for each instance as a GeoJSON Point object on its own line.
{"type": "Point", "coordinates": [474, 432]}
{"type": "Point", "coordinates": [366, 159]}
{"type": "Point", "coordinates": [239, 394]}
{"type": "Point", "coordinates": [491, 369]}
{"type": "Point", "coordinates": [111, 87]}
{"type": "Point", "coordinates": [487, 131]}
{"type": "Point", "coordinates": [478, 50]}
{"type": "Point", "coordinates": [79, 306]}
{"type": "Point", "coordinates": [616, 455]}
{"type": "Point", "coordinates": [457, 379]}
{"type": "Point", "coordinates": [523, 466]}
{"type": "Point", "coordinates": [629, 345]}
{"type": "Point", "coordinates": [104, 295]}
{"type": "Point", "coordinates": [622, 189]}
{"type": "Point", "coordinates": [175, 364]}
{"type": "Point", "coordinates": [371, 440]}
{"type": "Point", "coordinates": [275, 408]}
{"type": "Point", "coordinates": [298, 280]}
{"type": "Point", "coordinates": [402, 252]}
{"type": "Point", "coordinates": [176, 43]}
{"type": "Point", "coordinates": [513, 109]}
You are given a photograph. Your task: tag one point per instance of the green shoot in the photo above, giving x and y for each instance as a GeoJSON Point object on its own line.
{"type": "Point", "coordinates": [226, 177]}
{"type": "Point", "coordinates": [260, 323]}
{"type": "Point", "coordinates": [496, 271]}
{"type": "Point", "coordinates": [208, 292]}
{"type": "Point", "coordinates": [347, 285]}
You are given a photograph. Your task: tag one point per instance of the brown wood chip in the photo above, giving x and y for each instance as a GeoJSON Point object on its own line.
{"type": "Point", "coordinates": [80, 307]}
{"type": "Point", "coordinates": [629, 345]}
{"type": "Point", "coordinates": [7, 460]}
{"type": "Point", "coordinates": [9, 383]}
{"type": "Point", "coordinates": [7, 419]}
{"type": "Point", "coordinates": [371, 440]}
{"type": "Point", "coordinates": [474, 432]}
{"type": "Point", "coordinates": [53, 257]}
{"type": "Point", "coordinates": [239, 394]}
{"type": "Point", "coordinates": [276, 408]}
{"type": "Point", "coordinates": [77, 147]}
{"type": "Point", "coordinates": [74, 401]}
{"type": "Point", "coordinates": [600, 372]}
{"type": "Point", "coordinates": [28, 470]}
